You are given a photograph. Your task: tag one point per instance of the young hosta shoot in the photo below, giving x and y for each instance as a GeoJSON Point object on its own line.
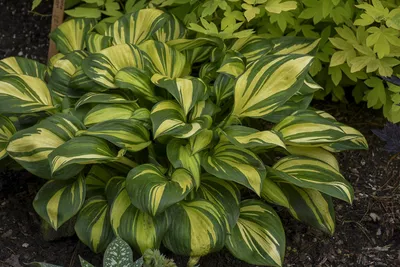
{"type": "Point", "coordinates": [144, 134]}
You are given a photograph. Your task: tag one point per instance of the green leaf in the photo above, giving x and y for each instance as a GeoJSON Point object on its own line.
{"type": "Point", "coordinates": [172, 29]}
{"type": "Point", "coordinates": [24, 94]}
{"type": "Point", "coordinates": [31, 147]}
{"type": "Point", "coordinates": [180, 156]}
{"type": "Point", "coordinates": [139, 229]}
{"type": "Point", "coordinates": [381, 38]}
{"type": "Point", "coordinates": [24, 66]}
{"type": "Point", "coordinates": [69, 159]}
{"type": "Point", "coordinates": [97, 179]}
{"type": "Point", "coordinates": [84, 263]}
{"type": "Point", "coordinates": [163, 59]}
{"type": "Point", "coordinates": [97, 98]}
{"type": "Point", "coordinates": [314, 174]}
{"type": "Point", "coordinates": [152, 192]}
{"type": "Point", "coordinates": [84, 12]}
{"type": "Point", "coordinates": [136, 81]}
{"type": "Point", "coordinates": [70, 35]}
{"type": "Point", "coordinates": [307, 128]}
{"type": "Point", "coordinates": [125, 134]}
{"type": "Point", "coordinates": [137, 27]}
{"type": "Point", "coordinates": [236, 164]}
{"type": "Point", "coordinates": [223, 194]}
{"type": "Point", "coordinates": [102, 67]}
{"type": "Point", "coordinates": [269, 83]}
{"type": "Point", "coordinates": [7, 130]}
{"type": "Point", "coordinates": [246, 137]}
{"type": "Point", "coordinates": [107, 112]}
{"type": "Point", "coordinates": [273, 194]}
{"type": "Point", "coordinates": [223, 87]}
{"type": "Point", "coordinates": [93, 224]}
{"type": "Point", "coordinates": [96, 42]}
{"type": "Point", "coordinates": [315, 153]}
{"type": "Point", "coordinates": [311, 207]}
{"type": "Point", "coordinates": [294, 45]}
{"type": "Point", "coordinates": [118, 253]}
{"type": "Point", "coordinates": [277, 6]}
{"type": "Point", "coordinates": [233, 64]}
{"type": "Point", "coordinates": [168, 118]}
{"type": "Point", "coordinates": [201, 141]}
{"type": "Point", "coordinates": [258, 237]}
{"type": "Point", "coordinates": [187, 91]}
{"type": "Point", "coordinates": [58, 201]}
{"type": "Point", "coordinates": [252, 47]}
{"type": "Point", "coordinates": [197, 228]}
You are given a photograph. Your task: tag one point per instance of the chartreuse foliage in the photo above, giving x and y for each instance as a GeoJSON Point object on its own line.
{"type": "Point", "coordinates": [359, 48]}
{"type": "Point", "coordinates": [144, 133]}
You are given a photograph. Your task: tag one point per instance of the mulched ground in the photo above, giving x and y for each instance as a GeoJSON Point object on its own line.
{"type": "Point", "coordinates": [367, 232]}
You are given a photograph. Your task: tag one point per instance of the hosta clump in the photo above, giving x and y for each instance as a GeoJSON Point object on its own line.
{"type": "Point", "coordinates": [143, 133]}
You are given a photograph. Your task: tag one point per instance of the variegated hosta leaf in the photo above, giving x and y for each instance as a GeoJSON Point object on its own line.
{"type": "Point", "coordinates": [93, 224]}
{"type": "Point", "coordinates": [189, 44]}
{"type": "Point", "coordinates": [203, 108]}
{"type": "Point", "coordinates": [136, 81]}
{"type": "Point", "coordinates": [273, 194]}
{"type": "Point", "coordinates": [30, 147]}
{"type": "Point", "coordinates": [107, 112]}
{"type": "Point", "coordinates": [97, 179]}
{"type": "Point", "coordinates": [197, 55]}
{"type": "Point", "coordinates": [222, 194]}
{"type": "Point", "coordinates": [171, 30]}
{"type": "Point", "coordinates": [24, 66]}
{"type": "Point", "coordinates": [137, 27]}
{"type": "Point", "coordinates": [201, 141]}
{"type": "Point", "coordinates": [236, 164]}
{"type": "Point", "coordinates": [58, 201]}
{"type": "Point", "coordinates": [181, 156]}
{"type": "Point", "coordinates": [7, 130]}
{"type": "Point", "coordinates": [294, 45]}
{"type": "Point", "coordinates": [53, 61]}
{"type": "Point", "coordinates": [223, 87]}
{"type": "Point", "coordinates": [152, 192]}
{"type": "Point", "coordinates": [118, 254]}
{"type": "Point", "coordinates": [62, 73]}
{"type": "Point", "coordinates": [81, 82]}
{"type": "Point", "coordinates": [307, 128]}
{"type": "Point", "coordinates": [311, 206]}
{"type": "Point", "coordinates": [315, 153]}
{"type": "Point", "coordinates": [70, 35]}
{"type": "Point", "coordinates": [141, 230]}
{"type": "Point", "coordinates": [252, 47]}
{"type": "Point", "coordinates": [168, 118]}
{"type": "Point", "coordinates": [125, 134]}
{"type": "Point", "coordinates": [295, 103]}
{"type": "Point", "coordinates": [104, 65]}
{"type": "Point", "coordinates": [23, 94]}
{"type": "Point", "coordinates": [196, 228]}
{"type": "Point", "coordinates": [208, 72]}
{"type": "Point", "coordinates": [353, 144]}
{"type": "Point", "coordinates": [233, 64]}
{"type": "Point", "coordinates": [247, 137]}
{"type": "Point", "coordinates": [268, 83]}
{"type": "Point", "coordinates": [163, 59]}
{"type": "Point", "coordinates": [69, 159]}
{"type": "Point", "coordinates": [314, 174]}
{"type": "Point", "coordinates": [309, 86]}
{"type": "Point", "coordinates": [187, 91]}
{"type": "Point", "coordinates": [258, 237]}
{"type": "Point", "coordinates": [97, 98]}
{"type": "Point", "coordinates": [96, 42]}
{"type": "Point", "coordinates": [113, 187]}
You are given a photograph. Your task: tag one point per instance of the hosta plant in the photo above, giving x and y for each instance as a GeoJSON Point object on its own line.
{"type": "Point", "coordinates": [118, 253]}
{"type": "Point", "coordinates": [157, 135]}
{"type": "Point", "coordinates": [359, 45]}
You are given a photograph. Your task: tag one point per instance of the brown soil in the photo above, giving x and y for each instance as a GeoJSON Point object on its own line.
{"type": "Point", "coordinates": [367, 232]}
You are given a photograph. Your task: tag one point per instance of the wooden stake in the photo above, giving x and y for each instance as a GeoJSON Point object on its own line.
{"type": "Point", "coordinates": [56, 20]}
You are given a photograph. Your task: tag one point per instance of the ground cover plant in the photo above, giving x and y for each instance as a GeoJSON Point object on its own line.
{"type": "Point", "coordinates": [152, 133]}
{"type": "Point", "coordinates": [359, 46]}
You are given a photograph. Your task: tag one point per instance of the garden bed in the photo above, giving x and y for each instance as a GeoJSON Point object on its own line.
{"type": "Point", "coordinates": [367, 233]}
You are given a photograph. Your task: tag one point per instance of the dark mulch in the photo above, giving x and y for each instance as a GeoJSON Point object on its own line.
{"type": "Point", "coordinates": [367, 232]}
